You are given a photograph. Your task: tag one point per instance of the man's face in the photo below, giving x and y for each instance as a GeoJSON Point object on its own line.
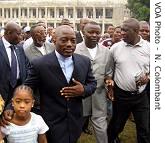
{"type": "Point", "coordinates": [128, 33]}
{"type": "Point", "coordinates": [15, 36]}
{"type": "Point", "coordinates": [39, 36]}
{"type": "Point", "coordinates": [111, 30]}
{"type": "Point", "coordinates": [66, 42]}
{"type": "Point", "coordinates": [92, 34]}
{"type": "Point", "coordinates": [117, 35]}
{"type": "Point", "coordinates": [144, 31]}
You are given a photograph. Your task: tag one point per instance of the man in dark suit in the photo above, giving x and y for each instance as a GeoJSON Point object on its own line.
{"type": "Point", "coordinates": [79, 34]}
{"type": "Point", "coordinates": [63, 79]}
{"type": "Point", "coordinates": [7, 81]}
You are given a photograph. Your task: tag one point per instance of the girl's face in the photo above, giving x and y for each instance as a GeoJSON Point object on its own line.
{"type": "Point", "coordinates": [22, 103]}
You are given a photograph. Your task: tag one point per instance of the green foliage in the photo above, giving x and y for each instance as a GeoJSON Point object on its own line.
{"type": "Point", "coordinates": [140, 9]}
{"type": "Point", "coordinates": [127, 136]}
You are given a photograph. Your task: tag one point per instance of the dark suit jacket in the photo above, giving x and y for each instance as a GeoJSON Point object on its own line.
{"type": "Point", "coordinates": [5, 88]}
{"type": "Point", "coordinates": [79, 38]}
{"type": "Point", "coordinates": [63, 116]}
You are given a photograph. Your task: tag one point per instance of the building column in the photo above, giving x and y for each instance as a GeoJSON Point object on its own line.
{"type": "Point", "coordinates": [46, 13]}
{"type": "Point", "coordinates": [103, 22]}
{"type": "Point", "coordinates": [11, 12]}
{"type": "Point", "coordinates": [103, 27]}
{"type": "Point", "coordinates": [3, 24]}
{"type": "Point", "coordinates": [14, 13]}
{"type": "Point", "coordinates": [36, 12]}
{"type": "Point", "coordinates": [19, 15]}
{"type": "Point", "coordinates": [94, 13]}
{"type": "Point", "coordinates": [74, 17]}
{"type": "Point", "coordinates": [7, 13]}
{"type": "Point", "coordinates": [103, 12]}
{"type": "Point", "coordinates": [54, 13]}
{"type": "Point", "coordinates": [84, 12]}
{"type": "Point", "coordinates": [39, 14]}
{"type": "Point", "coordinates": [55, 17]}
{"type": "Point", "coordinates": [65, 13]}
{"type": "Point", "coordinates": [2, 12]}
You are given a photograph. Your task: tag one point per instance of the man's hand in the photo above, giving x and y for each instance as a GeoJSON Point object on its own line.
{"type": "Point", "coordinates": [109, 84]}
{"type": "Point", "coordinates": [6, 117]}
{"type": "Point", "coordinates": [143, 80]}
{"type": "Point", "coordinates": [72, 91]}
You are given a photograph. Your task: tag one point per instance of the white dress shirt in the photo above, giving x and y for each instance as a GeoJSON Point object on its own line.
{"type": "Point", "coordinates": [66, 65]}
{"type": "Point", "coordinates": [8, 51]}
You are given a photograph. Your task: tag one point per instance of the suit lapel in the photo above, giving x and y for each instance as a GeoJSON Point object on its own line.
{"type": "Point", "coordinates": [77, 68]}
{"type": "Point", "coordinates": [3, 52]}
{"type": "Point", "coordinates": [35, 51]}
{"type": "Point", "coordinates": [85, 51]}
{"type": "Point", "coordinates": [98, 53]}
{"type": "Point", "coordinates": [58, 69]}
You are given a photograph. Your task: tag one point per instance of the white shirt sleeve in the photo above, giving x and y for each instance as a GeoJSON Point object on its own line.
{"type": "Point", "coordinates": [42, 126]}
{"type": "Point", "coordinates": [5, 130]}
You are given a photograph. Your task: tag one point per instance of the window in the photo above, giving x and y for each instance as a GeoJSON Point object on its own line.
{"type": "Point", "coordinates": [99, 13]}
{"type": "Point", "coordinates": [51, 13]}
{"type": "Point", "coordinates": [70, 12]}
{"type": "Point", "coordinates": [14, 13]}
{"type": "Point", "coordinates": [108, 13]}
{"type": "Point", "coordinates": [89, 12]}
{"type": "Point", "coordinates": [6, 12]}
{"type": "Point", "coordinates": [61, 12]}
{"type": "Point", "coordinates": [24, 12]}
{"type": "Point", "coordinates": [79, 13]}
{"type": "Point", "coordinates": [32, 12]}
{"type": "Point", "coordinates": [42, 12]}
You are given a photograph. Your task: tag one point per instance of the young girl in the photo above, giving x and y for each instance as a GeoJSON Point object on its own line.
{"type": "Point", "coordinates": [25, 126]}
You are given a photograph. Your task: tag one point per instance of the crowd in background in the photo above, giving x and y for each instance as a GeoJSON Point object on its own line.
{"type": "Point", "coordinates": [77, 77]}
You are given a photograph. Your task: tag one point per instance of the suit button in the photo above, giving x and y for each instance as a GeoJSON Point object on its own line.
{"type": "Point", "coordinates": [67, 99]}
{"type": "Point", "coordinates": [68, 110]}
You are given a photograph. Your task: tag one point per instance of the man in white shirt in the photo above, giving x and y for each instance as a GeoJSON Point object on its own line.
{"type": "Point", "coordinates": [130, 61]}
{"type": "Point", "coordinates": [39, 46]}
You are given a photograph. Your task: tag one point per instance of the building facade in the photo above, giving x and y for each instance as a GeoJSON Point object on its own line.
{"type": "Point", "coordinates": [28, 12]}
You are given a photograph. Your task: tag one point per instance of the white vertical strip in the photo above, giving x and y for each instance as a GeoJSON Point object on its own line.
{"type": "Point", "coordinates": [157, 97]}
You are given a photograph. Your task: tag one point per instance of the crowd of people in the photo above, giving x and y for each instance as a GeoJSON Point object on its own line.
{"type": "Point", "coordinates": [54, 81]}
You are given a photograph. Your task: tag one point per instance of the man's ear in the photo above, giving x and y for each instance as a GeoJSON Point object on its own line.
{"type": "Point", "coordinates": [54, 39]}
{"type": "Point", "coordinates": [33, 103]}
{"type": "Point", "coordinates": [137, 30]}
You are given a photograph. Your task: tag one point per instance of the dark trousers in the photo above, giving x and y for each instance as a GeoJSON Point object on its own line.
{"type": "Point", "coordinates": [125, 103]}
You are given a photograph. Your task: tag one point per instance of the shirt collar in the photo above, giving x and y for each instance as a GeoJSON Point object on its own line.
{"type": "Point", "coordinates": [81, 33]}
{"type": "Point", "coordinates": [5, 42]}
{"type": "Point", "coordinates": [139, 44]}
{"type": "Point", "coordinates": [62, 58]}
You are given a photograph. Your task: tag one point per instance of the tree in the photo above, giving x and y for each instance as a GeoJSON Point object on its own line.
{"type": "Point", "coordinates": [140, 9]}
